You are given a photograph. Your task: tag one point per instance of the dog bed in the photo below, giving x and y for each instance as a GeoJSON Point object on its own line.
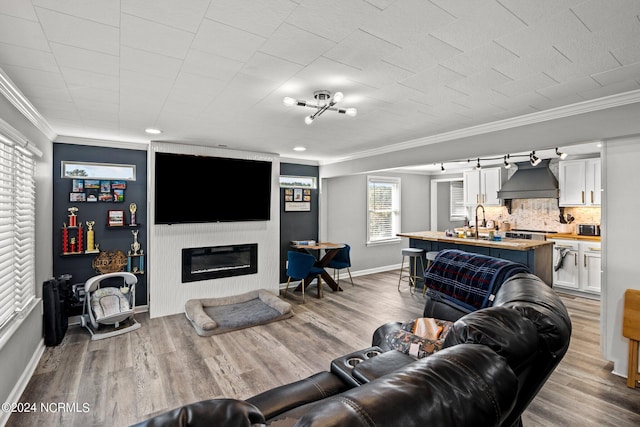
{"type": "Point", "coordinates": [212, 316]}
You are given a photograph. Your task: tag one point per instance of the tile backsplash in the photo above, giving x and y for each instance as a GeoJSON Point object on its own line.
{"type": "Point", "coordinates": [540, 214]}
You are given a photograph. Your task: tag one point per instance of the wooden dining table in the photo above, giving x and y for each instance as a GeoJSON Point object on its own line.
{"type": "Point", "coordinates": [331, 249]}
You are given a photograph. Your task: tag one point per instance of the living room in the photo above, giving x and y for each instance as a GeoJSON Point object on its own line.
{"type": "Point", "coordinates": [33, 120]}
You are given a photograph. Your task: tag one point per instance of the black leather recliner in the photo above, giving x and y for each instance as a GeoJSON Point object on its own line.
{"type": "Point", "coordinates": [493, 363]}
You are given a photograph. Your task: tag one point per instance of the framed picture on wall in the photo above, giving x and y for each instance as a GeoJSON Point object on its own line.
{"type": "Point", "coordinates": [115, 218]}
{"type": "Point", "coordinates": [92, 184]}
{"type": "Point", "coordinates": [77, 197]}
{"type": "Point", "coordinates": [118, 195]}
{"type": "Point", "coordinates": [297, 194]}
{"type": "Point", "coordinates": [77, 186]}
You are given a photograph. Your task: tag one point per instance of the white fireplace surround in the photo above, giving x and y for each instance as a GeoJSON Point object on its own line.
{"type": "Point", "coordinates": [167, 293]}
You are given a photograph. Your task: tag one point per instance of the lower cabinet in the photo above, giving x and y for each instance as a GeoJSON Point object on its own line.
{"type": "Point", "coordinates": [577, 266]}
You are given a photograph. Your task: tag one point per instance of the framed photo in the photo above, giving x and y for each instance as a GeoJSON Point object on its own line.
{"type": "Point", "coordinates": [115, 218]}
{"type": "Point", "coordinates": [77, 197]}
{"type": "Point", "coordinates": [91, 184]}
{"type": "Point", "coordinates": [118, 185]}
{"type": "Point", "coordinates": [92, 195]}
{"type": "Point", "coordinates": [105, 186]}
{"type": "Point", "coordinates": [297, 206]}
{"type": "Point", "coordinates": [118, 195]}
{"type": "Point", "coordinates": [78, 185]}
{"type": "Point", "coordinates": [105, 197]}
{"type": "Point", "coordinates": [297, 194]}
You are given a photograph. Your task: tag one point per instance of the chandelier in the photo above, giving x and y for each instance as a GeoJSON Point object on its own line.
{"type": "Point", "coordinates": [323, 102]}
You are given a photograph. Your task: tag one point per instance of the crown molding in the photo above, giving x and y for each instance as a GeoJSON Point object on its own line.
{"type": "Point", "coordinates": [95, 142]}
{"type": "Point", "coordinates": [583, 107]}
{"type": "Point", "coordinates": [22, 104]}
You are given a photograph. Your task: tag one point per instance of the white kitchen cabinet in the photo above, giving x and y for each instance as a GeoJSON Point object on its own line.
{"type": "Point", "coordinates": [482, 186]}
{"type": "Point", "coordinates": [580, 268]}
{"type": "Point", "coordinates": [590, 266]}
{"type": "Point", "coordinates": [579, 182]}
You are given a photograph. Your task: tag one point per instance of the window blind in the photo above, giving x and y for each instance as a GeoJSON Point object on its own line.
{"type": "Point", "coordinates": [17, 234]}
{"type": "Point", "coordinates": [383, 219]}
{"type": "Point", "coordinates": [457, 210]}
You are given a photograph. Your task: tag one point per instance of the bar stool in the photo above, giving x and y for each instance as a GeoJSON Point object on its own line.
{"type": "Point", "coordinates": [431, 256]}
{"type": "Point", "coordinates": [413, 254]}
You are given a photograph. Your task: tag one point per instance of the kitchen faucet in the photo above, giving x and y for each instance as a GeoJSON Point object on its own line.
{"type": "Point", "coordinates": [484, 221]}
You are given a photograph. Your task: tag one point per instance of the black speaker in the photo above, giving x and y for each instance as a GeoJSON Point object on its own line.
{"type": "Point", "coordinates": [55, 317]}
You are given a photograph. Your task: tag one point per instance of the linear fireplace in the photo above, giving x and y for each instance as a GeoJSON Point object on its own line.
{"type": "Point", "coordinates": [219, 261]}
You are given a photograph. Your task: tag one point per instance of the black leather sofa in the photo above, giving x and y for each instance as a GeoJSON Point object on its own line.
{"type": "Point", "coordinates": [492, 364]}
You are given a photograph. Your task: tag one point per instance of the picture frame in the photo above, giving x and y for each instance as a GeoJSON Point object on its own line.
{"type": "Point", "coordinates": [77, 186]}
{"type": "Point", "coordinates": [118, 195]}
{"type": "Point", "coordinates": [297, 194]}
{"type": "Point", "coordinates": [105, 197]}
{"type": "Point", "coordinates": [105, 186]}
{"type": "Point", "coordinates": [297, 206]}
{"type": "Point", "coordinates": [115, 218]}
{"type": "Point", "coordinates": [92, 195]}
{"type": "Point", "coordinates": [118, 185]}
{"type": "Point", "coordinates": [77, 197]}
{"type": "Point", "coordinates": [92, 184]}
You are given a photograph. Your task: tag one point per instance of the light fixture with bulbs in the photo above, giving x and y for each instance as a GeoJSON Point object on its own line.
{"type": "Point", "coordinates": [324, 101]}
{"type": "Point", "coordinates": [535, 160]}
{"type": "Point", "coordinates": [507, 165]}
{"type": "Point", "coordinates": [561, 154]}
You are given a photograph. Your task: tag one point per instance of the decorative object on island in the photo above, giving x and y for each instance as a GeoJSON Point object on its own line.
{"type": "Point", "coordinates": [92, 247]}
{"type": "Point", "coordinates": [324, 102]}
{"type": "Point", "coordinates": [135, 252]}
{"type": "Point", "coordinates": [109, 261]}
{"type": "Point", "coordinates": [115, 218]}
{"type": "Point", "coordinates": [133, 208]}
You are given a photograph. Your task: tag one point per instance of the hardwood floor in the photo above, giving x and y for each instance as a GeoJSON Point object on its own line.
{"type": "Point", "coordinates": [126, 379]}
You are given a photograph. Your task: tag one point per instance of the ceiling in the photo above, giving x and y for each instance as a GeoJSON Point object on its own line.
{"type": "Point", "coordinates": [214, 72]}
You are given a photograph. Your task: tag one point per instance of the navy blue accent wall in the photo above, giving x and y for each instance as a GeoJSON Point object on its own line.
{"type": "Point", "coordinates": [297, 225]}
{"type": "Point", "coordinates": [79, 266]}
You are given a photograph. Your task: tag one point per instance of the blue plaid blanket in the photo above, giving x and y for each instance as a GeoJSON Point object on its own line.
{"type": "Point", "coordinates": [467, 280]}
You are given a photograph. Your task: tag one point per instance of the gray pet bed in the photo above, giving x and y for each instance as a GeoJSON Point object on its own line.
{"type": "Point", "coordinates": [212, 316]}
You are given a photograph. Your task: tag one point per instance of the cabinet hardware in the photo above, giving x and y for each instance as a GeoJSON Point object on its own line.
{"type": "Point", "coordinates": [575, 259]}
{"type": "Point", "coordinates": [594, 249]}
{"type": "Point", "coordinates": [591, 196]}
{"type": "Point", "coordinates": [585, 260]}
{"type": "Point", "coordinates": [582, 196]}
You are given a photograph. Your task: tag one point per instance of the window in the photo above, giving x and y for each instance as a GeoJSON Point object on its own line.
{"type": "Point", "coordinates": [457, 209]}
{"type": "Point", "coordinates": [17, 230]}
{"type": "Point", "coordinates": [383, 209]}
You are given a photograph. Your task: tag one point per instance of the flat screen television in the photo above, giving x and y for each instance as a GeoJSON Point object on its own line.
{"type": "Point", "coordinates": [191, 189]}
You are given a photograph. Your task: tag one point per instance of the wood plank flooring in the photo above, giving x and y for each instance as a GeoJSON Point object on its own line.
{"type": "Point", "coordinates": [165, 364]}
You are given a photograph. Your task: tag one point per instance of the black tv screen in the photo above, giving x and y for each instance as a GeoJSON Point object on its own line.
{"type": "Point", "coordinates": [191, 189]}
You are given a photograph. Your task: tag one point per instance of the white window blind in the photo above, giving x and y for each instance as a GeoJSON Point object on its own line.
{"type": "Point", "coordinates": [457, 210]}
{"type": "Point", "coordinates": [383, 200]}
{"type": "Point", "coordinates": [17, 223]}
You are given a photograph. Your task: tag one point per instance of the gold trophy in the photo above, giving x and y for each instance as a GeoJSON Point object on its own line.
{"type": "Point", "coordinates": [133, 208]}
{"type": "Point", "coordinates": [91, 246]}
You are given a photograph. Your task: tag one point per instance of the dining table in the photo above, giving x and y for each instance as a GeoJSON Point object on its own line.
{"type": "Point", "coordinates": [322, 260]}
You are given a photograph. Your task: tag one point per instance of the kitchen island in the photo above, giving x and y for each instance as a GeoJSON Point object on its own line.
{"type": "Point", "coordinates": [535, 254]}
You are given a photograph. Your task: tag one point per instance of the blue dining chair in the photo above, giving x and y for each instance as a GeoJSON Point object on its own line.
{"type": "Point", "coordinates": [341, 261]}
{"type": "Point", "coordinates": [300, 265]}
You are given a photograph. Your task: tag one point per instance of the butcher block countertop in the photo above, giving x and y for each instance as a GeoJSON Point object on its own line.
{"type": "Point", "coordinates": [510, 244]}
{"type": "Point", "coordinates": [571, 236]}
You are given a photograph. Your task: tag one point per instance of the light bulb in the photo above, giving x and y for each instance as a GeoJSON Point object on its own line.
{"type": "Point", "coordinates": [153, 131]}
{"type": "Point", "coordinates": [289, 102]}
{"type": "Point", "coordinates": [308, 120]}
{"type": "Point", "coordinates": [338, 96]}
{"type": "Point", "coordinates": [351, 112]}
{"type": "Point", "coordinates": [561, 154]}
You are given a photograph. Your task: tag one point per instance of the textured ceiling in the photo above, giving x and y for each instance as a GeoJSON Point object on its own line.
{"type": "Point", "coordinates": [214, 72]}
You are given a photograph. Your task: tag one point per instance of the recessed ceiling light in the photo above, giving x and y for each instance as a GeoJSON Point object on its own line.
{"type": "Point", "coordinates": [299, 149]}
{"type": "Point", "coordinates": [153, 131]}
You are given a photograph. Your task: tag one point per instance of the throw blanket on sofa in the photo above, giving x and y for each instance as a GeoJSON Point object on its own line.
{"type": "Point", "coordinates": [467, 280]}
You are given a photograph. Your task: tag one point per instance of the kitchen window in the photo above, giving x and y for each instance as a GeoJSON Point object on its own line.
{"type": "Point", "coordinates": [17, 230]}
{"type": "Point", "coordinates": [383, 209]}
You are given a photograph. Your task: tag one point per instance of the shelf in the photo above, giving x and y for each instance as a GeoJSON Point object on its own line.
{"type": "Point", "coordinates": [123, 227]}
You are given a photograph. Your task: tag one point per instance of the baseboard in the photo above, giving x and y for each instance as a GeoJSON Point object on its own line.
{"type": "Point", "coordinates": [356, 273]}
{"type": "Point", "coordinates": [23, 381]}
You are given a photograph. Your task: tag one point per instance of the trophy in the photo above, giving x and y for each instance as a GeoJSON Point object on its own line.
{"type": "Point", "coordinates": [72, 216]}
{"type": "Point", "coordinates": [91, 246]}
{"type": "Point", "coordinates": [135, 246]}
{"type": "Point", "coordinates": [133, 208]}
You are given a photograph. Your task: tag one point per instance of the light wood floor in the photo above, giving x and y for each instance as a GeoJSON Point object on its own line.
{"type": "Point", "coordinates": [165, 364]}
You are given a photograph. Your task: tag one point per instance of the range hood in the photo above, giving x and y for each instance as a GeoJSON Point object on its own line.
{"type": "Point", "coordinates": [530, 182]}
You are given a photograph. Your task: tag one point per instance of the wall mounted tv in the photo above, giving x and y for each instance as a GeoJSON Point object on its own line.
{"type": "Point", "coordinates": [192, 189]}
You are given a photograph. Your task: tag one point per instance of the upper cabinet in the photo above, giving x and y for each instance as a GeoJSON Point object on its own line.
{"type": "Point", "coordinates": [481, 186]}
{"type": "Point", "coordinates": [580, 182]}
